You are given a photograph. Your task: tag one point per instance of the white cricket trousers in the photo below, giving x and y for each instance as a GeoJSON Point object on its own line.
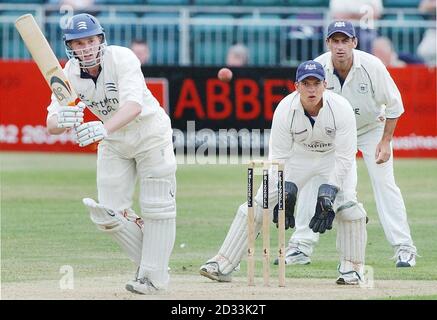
{"type": "Point", "coordinates": [389, 202]}
{"type": "Point", "coordinates": [141, 150]}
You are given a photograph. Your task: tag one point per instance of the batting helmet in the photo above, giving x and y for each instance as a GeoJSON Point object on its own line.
{"type": "Point", "coordinates": [81, 26]}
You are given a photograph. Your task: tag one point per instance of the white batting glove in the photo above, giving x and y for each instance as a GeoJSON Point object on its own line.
{"type": "Point", "coordinates": [70, 116]}
{"type": "Point", "coordinates": [90, 132]}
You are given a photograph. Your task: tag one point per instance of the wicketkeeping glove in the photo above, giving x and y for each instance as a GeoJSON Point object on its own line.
{"type": "Point", "coordinates": [90, 132]}
{"type": "Point", "coordinates": [290, 202]}
{"type": "Point", "coordinates": [70, 116]}
{"type": "Point", "coordinates": [325, 214]}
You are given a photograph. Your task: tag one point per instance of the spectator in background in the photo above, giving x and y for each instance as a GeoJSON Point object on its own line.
{"type": "Point", "coordinates": [141, 50]}
{"type": "Point", "coordinates": [237, 56]}
{"type": "Point", "coordinates": [383, 49]}
{"type": "Point", "coordinates": [364, 13]}
{"type": "Point", "coordinates": [427, 47]}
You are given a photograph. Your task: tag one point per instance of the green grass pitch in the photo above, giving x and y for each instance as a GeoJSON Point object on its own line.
{"type": "Point", "coordinates": [44, 224]}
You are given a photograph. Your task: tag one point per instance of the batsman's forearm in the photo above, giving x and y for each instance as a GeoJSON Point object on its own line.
{"type": "Point", "coordinates": [389, 129]}
{"type": "Point", "coordinates": [52, 126]}
{"type": "Point", "coordinates": [127, 113]}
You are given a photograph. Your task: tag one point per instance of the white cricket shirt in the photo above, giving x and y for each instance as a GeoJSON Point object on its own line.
{"type": "Point", "coordinates": [120, 80]}
{"type": "Point", "coordinates": [334, 132]}
{"type": "Point", "coordinates": [368, 87]}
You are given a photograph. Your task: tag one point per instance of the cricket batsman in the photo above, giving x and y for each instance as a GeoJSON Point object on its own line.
{"type": "Point", "coordinates": [135, 144]}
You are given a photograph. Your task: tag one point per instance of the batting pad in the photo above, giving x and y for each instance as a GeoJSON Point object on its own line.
{"type": "Point", "coordinates": [158, 240]}
{"type": "Point", "coordinates": [351, 236]}
{"type": "Point", "coordinates": [158, 196]}
{"type": "Point", "coordinates": [124, 226]}
{"type": "Point", "coordinates": [235, 244]}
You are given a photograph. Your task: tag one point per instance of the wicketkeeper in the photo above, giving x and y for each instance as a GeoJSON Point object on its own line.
{"type": "Point", "coordinates": [313, 132]}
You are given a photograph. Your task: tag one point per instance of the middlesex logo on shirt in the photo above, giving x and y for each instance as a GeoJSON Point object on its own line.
{"type": "Point", "coordinates": [110, 86]}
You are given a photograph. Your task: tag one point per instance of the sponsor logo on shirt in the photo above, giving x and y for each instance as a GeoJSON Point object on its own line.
{"type": "Point", "coordinates": [318, 145]}
{"type": "Point", "coordinates": [104, 107]}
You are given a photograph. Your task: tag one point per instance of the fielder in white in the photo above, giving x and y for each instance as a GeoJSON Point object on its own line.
{"type": "Point", "coordinates": [313, 132]}
{"type": "Point", "coordinates": [135, 137]}
{"type": "Point", "coordinates": [364, 81]}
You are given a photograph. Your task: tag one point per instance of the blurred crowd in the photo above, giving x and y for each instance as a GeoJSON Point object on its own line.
{"type": "Point", "coordinates": [365, 12]}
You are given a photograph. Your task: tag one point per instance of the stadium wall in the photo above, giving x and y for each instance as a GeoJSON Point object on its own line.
{"type": "Point", "coordinates": [197, 101]}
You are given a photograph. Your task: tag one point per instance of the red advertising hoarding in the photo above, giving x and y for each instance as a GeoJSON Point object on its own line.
{"type": "Point", "coordinates": [194, 94]}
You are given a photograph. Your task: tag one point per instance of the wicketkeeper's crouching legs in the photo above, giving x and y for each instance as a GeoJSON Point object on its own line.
{"type": "Point", "coordinates": [220, 267]}
{"type": "Point", "coordinates": [351, 242]}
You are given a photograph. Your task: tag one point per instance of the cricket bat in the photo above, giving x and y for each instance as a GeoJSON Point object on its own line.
{"type": "Point", "coordinates": [46, 60]}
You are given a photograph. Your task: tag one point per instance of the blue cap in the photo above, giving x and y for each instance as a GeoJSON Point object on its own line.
{"type": "Point", "coordinates": [341, 26]}
{"type": "Point", "coordinates": [310, 68]}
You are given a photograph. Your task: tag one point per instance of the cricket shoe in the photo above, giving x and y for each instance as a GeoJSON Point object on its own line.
{"type": "Point", "coordinates": [294, 256]}
{"type": "Point", "coordinates": [405, 258]}
{"type": "Point", "coordinates": [349, 278]}
{"type": "Point", "coordinates": [141, 286]}
{"type": "Point", "coordinates": [211, 271]}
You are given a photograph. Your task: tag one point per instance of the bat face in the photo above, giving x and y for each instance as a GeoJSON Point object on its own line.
{"type": "Point", "coordinates": [46, 60]}
{"type": "Point", "coordinates": [61, 89]}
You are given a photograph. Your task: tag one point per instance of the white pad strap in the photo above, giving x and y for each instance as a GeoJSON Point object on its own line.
{"type": "Point", "coordinates": [351, 237]}
{"type": "Point", "coordinates": [158, 241]}
{"type": "Point", "coordinates": [124, 226]}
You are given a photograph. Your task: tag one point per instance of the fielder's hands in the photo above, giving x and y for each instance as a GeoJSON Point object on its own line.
{"type": "Point", "coordinates": [325, 214]}
{"type": "Point", "coordinates": [383, 152]}
{"type": "Point", "coordinates": [290, 201]}
{"type": "Point", "coordinates": [90, 132]}
{"type": "Point", "coordinates": [70, 116]}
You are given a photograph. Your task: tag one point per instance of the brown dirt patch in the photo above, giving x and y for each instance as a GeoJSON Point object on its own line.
{"type": "Point", "coordinates": [193, 287]}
